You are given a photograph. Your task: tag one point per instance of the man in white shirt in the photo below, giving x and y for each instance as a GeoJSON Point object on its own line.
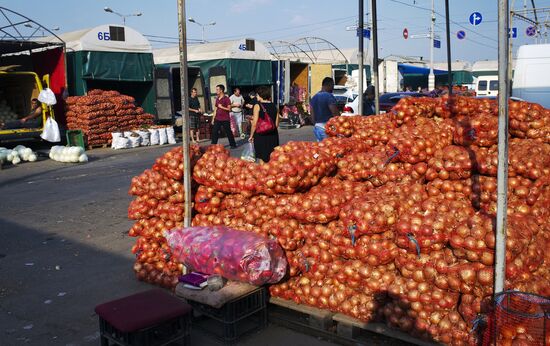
{"type": "Point", "coordinates": [237, 102]}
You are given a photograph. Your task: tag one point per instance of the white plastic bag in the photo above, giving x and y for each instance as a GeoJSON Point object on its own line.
{"type": "Point", "coordinates": [47, 96]}
{"type": "Point", "coordinates": [135, 141]}
{"type": "Point", "coordinates": [51, 131]}
{"type": "Point", "coordinates": [163, 138]}
{"type": "Point", "coordinates": [121, 143]}
{"type": "Point", "coordinates": [154, 136]}
{"type": "Point", "coordinates": [145, 137]}
{"type": "Point", "coordinates": [249, 154]}
{"type": "Point", "coordinates": [171, 135]}
{"type": "Point", "coordinates": [115, 136]}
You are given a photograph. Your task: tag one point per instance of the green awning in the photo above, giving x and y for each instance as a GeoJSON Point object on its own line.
{"type": "Point", "coordinates": [350, 67]}
{"type": "Point", "coordinates": [119, 66]}
{"type": "Point", "coordinates": [240, 72]}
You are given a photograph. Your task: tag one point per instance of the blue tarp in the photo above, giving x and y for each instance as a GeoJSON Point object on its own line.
{"type": "Point", "coordinates": [416, 70]}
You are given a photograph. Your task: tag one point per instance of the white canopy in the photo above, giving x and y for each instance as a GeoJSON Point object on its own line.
{"type": "Point", "coordinates": [455, 66]}
{"type": "Point", "coordinates": [213, 51]}
{"type": "Point", "coordinates": [488, 65]}
{"type": "Point", "coordinates": [99, 39]}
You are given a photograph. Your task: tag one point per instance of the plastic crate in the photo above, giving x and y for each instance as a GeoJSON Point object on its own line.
{"type": "Point", "coordinates": [75, 138]}
{"type": "Point", "coordinates": [177, 329]}
{"type": "Point", "coordinates": [236, 318]}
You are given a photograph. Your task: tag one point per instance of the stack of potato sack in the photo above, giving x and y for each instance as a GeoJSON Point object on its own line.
{"type": "Point", "coordinates": [100, 112]}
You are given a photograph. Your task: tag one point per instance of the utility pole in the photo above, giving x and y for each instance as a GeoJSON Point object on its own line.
{"type": "Point", "coordinates": [502, 169]}
{"type": "Point", "coordinates": [360, 55]}
{"type": "Point", "coordinates": [431, 76]}
{"type": "Point", "coordinates": [375, 57]}
{"type": "Point", "coordinates": [449, 63]}
{"type": "Point", "coordinates": [184, 113]}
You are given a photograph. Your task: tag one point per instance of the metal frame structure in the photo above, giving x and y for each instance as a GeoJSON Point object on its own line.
{"type": "Point", "coordinates": [286, 50]}
{"type": "Point", "coordinates": [305, 46]}
{"type": "Point", "coordinates": [525, 16]}
{"type": "Point", "coordinates": [14, 26]}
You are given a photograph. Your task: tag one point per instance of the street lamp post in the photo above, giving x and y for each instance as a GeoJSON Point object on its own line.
{"type": "Point", "coordinates": [123, 16]}
{"type": "Point", "coordinates": [191, 20]}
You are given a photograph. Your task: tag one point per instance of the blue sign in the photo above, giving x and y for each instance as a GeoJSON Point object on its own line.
{"type": "Point", "coordinates": [437, 44]}
{"type": "Point", "coordinates": [242, 46]}
{"type": "Point", "coordinates": [461, 34]}
{"type": "Point", "coordinates": [366, 33]}
{"type": "Point", "coordinates": [531, 31]}
{"type": "Point", "coordinates": [476, 18]}
{"type": "Point", "coordinates": [513, 33]}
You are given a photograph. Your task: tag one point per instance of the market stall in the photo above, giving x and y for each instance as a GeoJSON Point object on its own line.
{"type": "Point", "coordinates": [110, 57]}
{"type": "Point", "coordinates": [246, 63]}
{"type": "Point", "coordinates": [390, 220]}
{"type": "Point", "coordinates": [27, 66]}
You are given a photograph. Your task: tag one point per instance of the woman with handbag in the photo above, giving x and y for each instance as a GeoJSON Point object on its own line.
{"type": "Point", "coordinates": [265, 121]}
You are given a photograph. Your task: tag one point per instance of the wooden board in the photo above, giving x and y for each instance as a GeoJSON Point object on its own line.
{"type": "Point", "coordinates": [347, 327]}
{"type": "Point", "coordinates": [316, 318]}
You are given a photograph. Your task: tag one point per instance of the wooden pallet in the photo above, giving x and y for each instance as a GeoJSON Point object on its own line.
{"type": "Point", "coordinates": [336, 327]}
{"type": "Point", "coordinates": [349, 327]}
{"type": "Point", "coordinates": [97, 146]}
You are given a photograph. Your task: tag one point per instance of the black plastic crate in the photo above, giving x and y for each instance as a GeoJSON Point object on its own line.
{"type": "Point", "coordinates": [235, 319]}
{"type": "Point", "coordinates": [235, 309]}
{"type": "Point", "coordinates": [174, 330]}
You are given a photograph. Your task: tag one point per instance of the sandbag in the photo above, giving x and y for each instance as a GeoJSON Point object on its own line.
{"type": "Point", "coordinates": [163, 138]}
{"type": "Point", "coordinates": [155, 138]}
{"type": "Point", "coordinates": [171, 135]}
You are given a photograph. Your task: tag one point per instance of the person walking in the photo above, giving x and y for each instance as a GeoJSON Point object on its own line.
{"type": "Point", "coordinates": [221, 117]}
{"type": "Point", "coordinates": [369, 108]}
{"type": "Point", "coordinates": [323, 107]}
{"type": "Point", "coordinates": [194, 116]}
{"type": "Point", "coordinates": [237, 103]}
{"type": "Point", "coordinates": [264, 143]}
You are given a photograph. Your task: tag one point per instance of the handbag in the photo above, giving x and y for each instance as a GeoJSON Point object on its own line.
{"type": "Point", "coordinates": [265, 124]}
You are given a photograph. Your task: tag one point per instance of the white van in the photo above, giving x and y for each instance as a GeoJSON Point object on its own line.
{"type": "Point", "coordinates": [532, 74]}
{"type": "Point", "coordinates": [487, 85]}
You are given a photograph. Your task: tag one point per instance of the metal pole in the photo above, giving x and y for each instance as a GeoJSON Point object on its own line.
{"type": "Point", "coordinates": [184, 113]}
{"type": "Point", "coordinates": [360, 58]}
{"type": "Point", "coordinates": [203, 41]}
{"type": "Point", "coordinates": [502, 176]}
{"type": "Point", "coordinates": [449, 64]}
{"type": "Point", "coordinates": [431, 76]}
{"type": "Point", "coordinates": [375, 56]}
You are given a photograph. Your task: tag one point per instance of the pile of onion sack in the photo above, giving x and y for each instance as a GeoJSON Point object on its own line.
{"type": "Point", "coordinates": [100, 112]}
{"type": "Point", "coordinates": [392, 218]}
{"type": "Point", "coordinates": [158, 206]}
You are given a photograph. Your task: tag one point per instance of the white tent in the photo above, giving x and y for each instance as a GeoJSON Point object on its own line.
{"type": "Point", "coordinates": [100, 39]}
{"type": "Point", "coordinates": [235, 49]}
{"type": "Point", "coordinates": [455, 66]}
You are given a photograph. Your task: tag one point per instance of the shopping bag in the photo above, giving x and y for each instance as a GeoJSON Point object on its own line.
{"type": "Point", "coordinates": [50, 132]}
{"type": "Point", "coordinates": [234, 127]}
{"type": "Point", "coordinates": [47, 96]}
{"type": "Point", "coordinates": [249, 154]}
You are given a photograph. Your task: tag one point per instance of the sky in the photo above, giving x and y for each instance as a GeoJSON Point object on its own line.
{"type": "Point", "coordinates": [290, 20]}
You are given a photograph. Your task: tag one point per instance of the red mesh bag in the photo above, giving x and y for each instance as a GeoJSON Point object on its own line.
{"type": "Point", "coordinates": [519, 319]}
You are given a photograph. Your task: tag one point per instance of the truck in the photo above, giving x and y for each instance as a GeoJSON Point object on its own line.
{"type": "Point", "coordinates": [167, 86]}
{"type": "Point", "coordinates": [532, 74]}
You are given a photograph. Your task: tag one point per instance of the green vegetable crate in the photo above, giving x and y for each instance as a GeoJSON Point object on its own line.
{"type": "Point", "coordinates": [75, 138]}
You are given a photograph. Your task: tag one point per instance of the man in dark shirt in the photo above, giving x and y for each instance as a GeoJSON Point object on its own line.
{"type": "Point", "coordinates": [323, 107]}
{"type": "Point", "coordinates": [221, 117]}
{"type": "Point", "coordinates": [368, 101]}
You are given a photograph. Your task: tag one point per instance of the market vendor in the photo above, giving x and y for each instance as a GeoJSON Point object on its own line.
{"type": "Point", "coordinates": [32, 121]}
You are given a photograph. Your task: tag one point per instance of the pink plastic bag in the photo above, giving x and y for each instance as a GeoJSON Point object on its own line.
{"type": "Point", "coordinates": [234, 127]}
{"type": "Point", "coordinates": [235, 255]}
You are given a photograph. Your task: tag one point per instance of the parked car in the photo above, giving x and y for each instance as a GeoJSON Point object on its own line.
{"type": "Point", "coordinates": [387, 101]}
{"type": "Point", "coordinates": [343, 96]}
